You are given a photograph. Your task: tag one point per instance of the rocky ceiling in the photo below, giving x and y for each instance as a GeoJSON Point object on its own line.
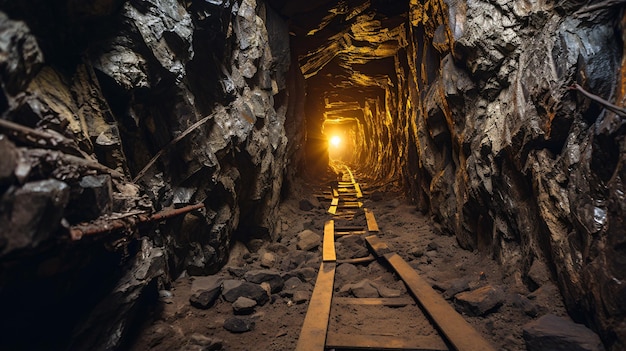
{"type": "Point", "coordinates": [346, 49]}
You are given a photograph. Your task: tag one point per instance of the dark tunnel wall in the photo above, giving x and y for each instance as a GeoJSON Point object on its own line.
{"type": "Point", "coordinates": [470, 105]}
{"type": "Point", "coordinates": [205, 88]}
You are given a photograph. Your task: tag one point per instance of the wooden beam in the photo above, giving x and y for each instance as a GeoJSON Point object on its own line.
{"type": "Point", "coordinates": [335, 193]}
{"type": "Point", "coordinates": [379, 247]}
{"type": "Point", "coordinates": [385, 342]}
{"type": "Point", "coordinates": [334, 201]}
{"type": "Point", "coordinates": [451, 324]}
{"type": "Point", "coordinates": [349, 228]}
{"type": "Point", "coordinates": [313, 334]}
{"type": "Point", "coordinates": [332, 210]}
{"type": "Point", "coordinates": [359, 193]}
{"type": "Point", "coordinates": [359, 232]}
{"type": "Point", "coordinates": [358, 260]}
{"type": "Point", "coordinates": [372, 226]}
{"type": "Point", "coordinates": [328, 252]}
{"type": "Point", "coordinates": [389, 301]}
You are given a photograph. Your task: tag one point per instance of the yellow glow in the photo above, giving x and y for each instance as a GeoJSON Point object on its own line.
{"type": "Point", "coordinates": [335, 141]}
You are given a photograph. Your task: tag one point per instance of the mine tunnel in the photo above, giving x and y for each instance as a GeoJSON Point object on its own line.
{"type": "Point", "coordinates": [170, 169]}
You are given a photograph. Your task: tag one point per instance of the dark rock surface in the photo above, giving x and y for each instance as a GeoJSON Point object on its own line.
{"type": "Point", "coordinates": [204, 299]}
{"type": "Point", "coordinates": [239, 324]}
{"type": "Point", "coordinates": [104, 87]}
{"type": "Point", "coordinates": [481, 301]}
{"type": "Point", "coordinates": [558, 333]}
{"type": "Point", "coordinates": [234, 289]}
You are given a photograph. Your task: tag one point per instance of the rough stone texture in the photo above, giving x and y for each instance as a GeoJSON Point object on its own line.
{"type": "Point", "coordinates": [273, 278]}
{"type": "Point", "coordinates": [204, 299]}
{"type": "Point", "coordinates": [117, 81]}
{"type": "Point", "coordinates": [239, 325]}
{"type": "Point", "coordinates": [244, 305]}
{"type": "Point", "coordinates": [557, 333]}
{"type": "Point", "coordinates": [470, 105]}
{"type": "Point", "coordinates": [481, 301]}
{"type": "Point", "coordinates": [308, 240]}
{"type": "Point", "coordinates": [234, 289]}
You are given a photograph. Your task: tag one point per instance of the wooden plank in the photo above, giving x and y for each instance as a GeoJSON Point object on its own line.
{"type": "Point", "coordinates": [345, 183]}
{"type": "Point", "coordinates": [389, 301]}
{"type": "Point", "coordinates": [385, 342]}
{"type": "Point", "coordinates": [372, 226]}
{"type": "Point", "coordinates": [365, 259]}
{"type": "Point", "coordinates": [328, 252]}
{"type": "Point", "coordinates": [332, 210]}
{"type": "Point", "coordinates": [313, 333]}
{"type": "Point", "coordinates": [335, 193]}
{"type": "Point", "coordinates": [335, 201]}
{"type": "Point", "coordinates": [379, 247]}
{"type": "Point", "coordinates": [451, 324]}
{"type": "Point", "coordinates": [359, 193]}
{"type": "Point", "coordinates": [347, 186]}
{"type": "Point", "coordinates": [351, 205]}
{"type": "Point", "coordinates": [349, 228]}
{"type": "Point", "coordinates": [356, 232]}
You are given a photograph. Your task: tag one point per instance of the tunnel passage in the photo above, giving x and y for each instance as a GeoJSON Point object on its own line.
{"type": "Point", "coordinates": [141, 108]}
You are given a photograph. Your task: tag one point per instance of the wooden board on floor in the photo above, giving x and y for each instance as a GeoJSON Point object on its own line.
{"type": "Point", "coordinates": [358, 260]}
{"type": "Point", "coordinates": [372, 226]}
{"type": "Point", "coordinates": [332, 210]}
{"type": "Point", "coordinates": [356, 232]}
{"type": "Point", "coordinates": [328, 245]}
{"type": "Point", "coordinates": [334, 201]}
{"type": "Point", "coordinates": [359, 193]}
{"type": "Point", "coordinates": [379, 247]}
{"type": "Point", "coordinates": [371, 301]}
{"type": "Point", "coordinates": [351, 205]}
{"type": "Point", "coordinates": [313, 334]}
{"type": "Point", "coordinates": [352, 228]}
{"type": "Point", "coordinates": [385, 342]}
{"type": "Point", "coordinates": [456, 329]}
{"type": "Point", "coordinates": [335, 193]}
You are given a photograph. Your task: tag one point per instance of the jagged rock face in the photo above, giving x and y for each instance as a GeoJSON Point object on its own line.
{"type": "Point", "coordinates": [205, 89]}
{"type": "Point", "coordinates": [478, 120]}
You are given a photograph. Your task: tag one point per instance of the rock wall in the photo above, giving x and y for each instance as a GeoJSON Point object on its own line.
{"type": "Point", "coordinates": [122, 108]}
{"type": "Point", "coordinates": [509, 157]}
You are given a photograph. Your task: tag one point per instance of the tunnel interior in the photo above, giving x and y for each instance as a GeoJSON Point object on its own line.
{"type": "Point", "coordinates": [143, 141]}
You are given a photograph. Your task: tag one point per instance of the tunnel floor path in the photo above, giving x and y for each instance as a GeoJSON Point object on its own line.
{"type": "Point", "coordinates": [289, 268]}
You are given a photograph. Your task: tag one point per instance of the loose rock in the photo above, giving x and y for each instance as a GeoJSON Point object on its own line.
{"type": "Point", "coordinates": [204, 299]}
{"type": "Point", "coordinates": [244, 305]}
{"type": "Point", "coordinates": [308, 240]}
{"type": "Point", "coordinates": [274, 279]}
{"type": "Point", "coordinates": [557, 333]}
{"type": "Point", "coordinates": [239, 325]}
{"type": "Point", "coordinates": [234, 289]}
{"type": "Point", "coordinates": [480, 301]}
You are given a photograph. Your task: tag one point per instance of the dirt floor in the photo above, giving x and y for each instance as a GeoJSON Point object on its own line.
{"type": "Point", "coordinates": [276, 325]}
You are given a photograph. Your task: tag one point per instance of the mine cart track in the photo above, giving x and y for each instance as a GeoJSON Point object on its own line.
{"type": "Point", "coordinates": [433, 323]}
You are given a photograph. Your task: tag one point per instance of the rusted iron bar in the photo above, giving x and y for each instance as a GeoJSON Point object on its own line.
{"type": "Point", "coordinates": [87, 229]}
{"type": "Point", "coordinates": [41, 138]}
{"type": "Point", "coordinates": [609, 106]}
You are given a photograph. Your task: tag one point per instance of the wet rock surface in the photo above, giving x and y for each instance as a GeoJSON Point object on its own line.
{"type": "Point", "coordinates": [557, 333]}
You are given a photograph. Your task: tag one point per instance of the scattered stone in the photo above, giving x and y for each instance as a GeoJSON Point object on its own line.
{"type": "Point", "coordinates": [244, 305]}
{"type": "Point", "coordinates": [416, 252]}
{"type": "Point", "coordinates": [524, 304]}
{"type": "Point", "coordinates": [388, 292]}
{"type": "Point", "coordinates": [308, 240]}
{"type": "Point", "coordinates": [278, 248]}
{"type": "Point", "coordinates": [347, 272]}
{"type": "Point", "coordinates": [539, 273]}
{"type": "Point", "coordinates": [206, 283]}
{"type": "Point", "coordinates": [208, 344]}
{"type": "Point", "coordinates": [239, 325]}
{"type": "Point", "coordinates": [432, 246]}
{"type": "Point", "coordinates": [274, 278]}
{"type": "Point", "coordinates": [305, 205]}
{"type": "Point", "coordinates": [377, 196]}
{"type": "Point", "coordinates": [92, 198]}
{"type": "Point", "coordinates": [305, 274]}
{"type": "Point", "coordinates": [268, 260]}
{"type": "Point", "coordinates": [551, 332]}
{"type": "Point", "coordinates": [234, 289]}
{"type": "Point", "coordinates": [454, 287]}
{"type": "Point", "coordinates": [364, 288]}
{"type": "Point", "coordinates": [165, 294]}
{"type": "Point", "coordinates": [237, 271]}
{"type": "Point", "coordinates": [255, 245]}
{"type": "Point", "coordinates": [292, 283]}
{"type": "Point", "coordinates": [300, 296]}
{"type": "Point", "coordinates": [481, 301]}
{"type": "Point", "coordinates": [204, 299]}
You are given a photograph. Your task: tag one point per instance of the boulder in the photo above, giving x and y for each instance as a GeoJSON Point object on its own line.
{"type": "Point", "coordinates": [204, 299]}
{"type": "Point", "coordinates": [364, 288]}
{"type": "Point", "coordinates": [244, 305]}
{"type": "Point", "coordinates": [553, 333]}
{"type": "Point", "coordinates": [274, 278]}
{"type": "Point", "coordinates": [234, 289]}
{"type": "Point", "coordinates": [481, 301]}
{"type": "Point", "coordinates": [308, 240]}
{"type": "Point", "coordinates": [239, 325]}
